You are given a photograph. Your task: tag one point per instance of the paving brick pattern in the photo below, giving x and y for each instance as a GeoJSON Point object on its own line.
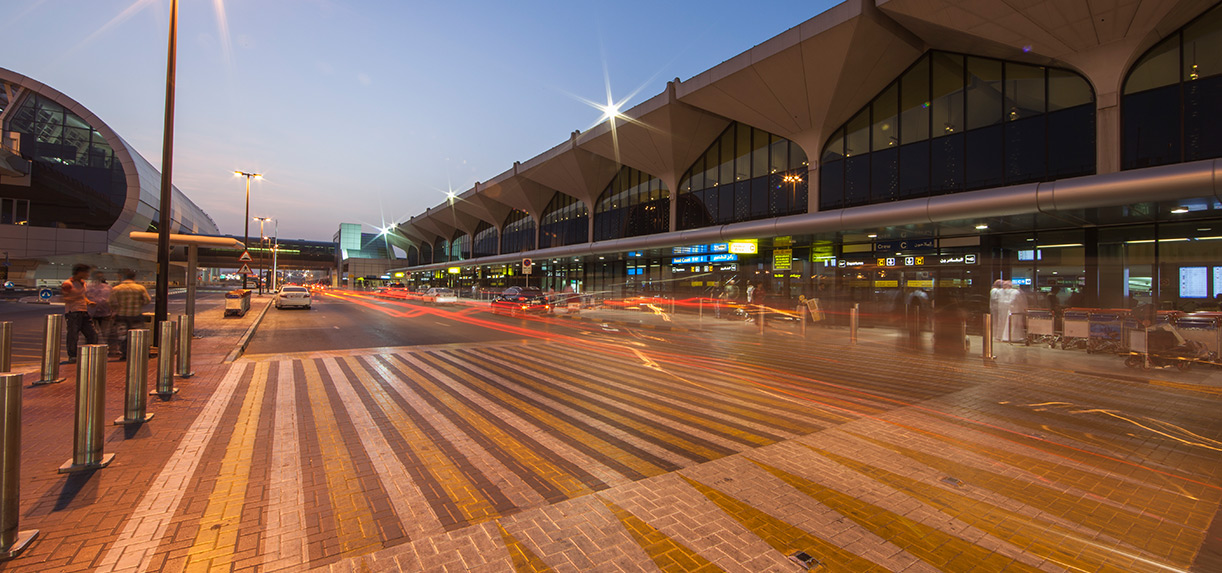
{"type": "Point", "coordinates": [601, 455]}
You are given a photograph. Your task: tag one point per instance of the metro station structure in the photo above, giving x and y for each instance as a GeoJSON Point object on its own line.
{"type": "Point", "coordinates": [880, 147]}
{"type": "Point", "coordinates": [71, 189]}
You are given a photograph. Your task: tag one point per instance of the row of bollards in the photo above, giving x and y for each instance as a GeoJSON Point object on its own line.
{"type": "Point", "coordinates": [87, 443]}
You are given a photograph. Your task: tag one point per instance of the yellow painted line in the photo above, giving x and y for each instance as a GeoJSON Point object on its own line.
{"type": "Point", "coordinates": [1167, 504]}
{"type": "Point", "coordinates": [524, 560]}
{"type": "Point", "coordinates": [474, 506]}
{"type": "Point", "coordinates": [597, 406]}
{"type": "Point", "coordinates": [784, 537]}
{"type": "Point", "coordinates": [925, 542]}
{"type": "Point", "coordinates": [1158, 537]}
{"type": "Point", "coordinates": [559, 424]}
{"type": "Point", "coordinates": [354, 523]}
{"type": "Point", "coordinates": [669, 555]}
{"type": "Point", "coordinates": [1041, 537]}
{"type": "Point", "coordinates": [490, 427]}
{"type": "Point", "coordinates": [706, 423]}
{"type": "Point", "coordinates": [218, 528]}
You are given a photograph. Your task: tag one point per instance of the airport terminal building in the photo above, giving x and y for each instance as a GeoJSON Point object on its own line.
{"type": "Point", "coordinates": [882, 147]}
{"type": "Point", "coordinates": [71, 189]}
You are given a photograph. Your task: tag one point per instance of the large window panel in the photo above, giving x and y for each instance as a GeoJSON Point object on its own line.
{"type": "Point", "coordinates": [884, 133]}
{"type": "Point", "coordinates": [633, 204]}
{"type": "Point", "coordinates": [914, 103]}
{"type": "Point", "coordinates": [984, 97]}
{"type": "Point", "coordinates": [1203, 118]}
{"type": "Point", "coordinates": [947, 101]}
{"type": "Point", "coordinates": [756, 157]}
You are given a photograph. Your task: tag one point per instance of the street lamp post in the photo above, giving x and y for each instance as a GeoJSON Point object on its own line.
{"type": "Point", "coordinates": [261, 220]}
{"type": "Point", "coordinates": [275, 252]}
{"type": "Point", "coordinates": [246, 237]}
{"type": "Point", "coordinates": [162, 307]}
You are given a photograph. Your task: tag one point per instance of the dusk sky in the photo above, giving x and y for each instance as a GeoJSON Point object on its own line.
{"type": "Point", "coordinates": [367, 111]}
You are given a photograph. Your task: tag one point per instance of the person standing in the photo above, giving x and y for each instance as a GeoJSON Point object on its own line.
{"type": "Point", "coordinates": [103, 321]}
{"type": "Point", "coordinates": [996, 295]}
{"type": "Point", "coordinates": [76, 310]}
{"type": "Point", "coordinates": [127, 301]}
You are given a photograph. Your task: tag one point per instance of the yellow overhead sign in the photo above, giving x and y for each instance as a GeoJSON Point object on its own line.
{"type": "Point", "coordinates": [749, 247]}
{"type": "Point", "coordinates": [454, 270]}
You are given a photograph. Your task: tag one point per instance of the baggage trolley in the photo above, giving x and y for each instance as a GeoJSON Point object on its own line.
{"type": "Point", "coordinates": [1106, 330]}
{"type": "Point", "coordinates": [1202, 327]}
{"type": "Point", "coordinates": [1041, 327]}
{"type": "Point", "coordinates": [1162, 346]}
{"type": "Point", "coordinates": [1075, 330]}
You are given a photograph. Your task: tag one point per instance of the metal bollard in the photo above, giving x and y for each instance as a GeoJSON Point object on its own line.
{"type": "Point", "coordinates": [802, 317]}
{"type": "Point", "coordinates": [759, 319]}
{"type": "Point", "coordinates": [6, 346]}
{"type": "Point", "coordinates": [87, 440]}
{"type": "Point", "coordinates": [186, 325]}
{"type": "Point", "coordinates": [165, 361]}
{"type": "Point", "coordinates": [987, 339]}
{"type": "Point", "coordinates": [12, 540]}
{"type": "Point", "coordinates": [853, 323]}
{"type": "Point", "coordinates": [134, 409]}
{"type": "Point", "coordinates": [700, 301]}
{"type": "Point", "coordinates": [52, 334]}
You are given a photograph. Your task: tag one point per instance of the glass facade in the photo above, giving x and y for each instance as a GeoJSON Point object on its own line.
{"type": "Point", "coordinates": [426, 253]}
{"type": "Point", "coordinates": [1172, 103]}
{"type": "Point", "coordinates": [413, 256]}
{"type": "Point", "coordinates": [518, 233]}
{"type": "Point", "coordinates": [955, 123]}
{"type": "Point", "coordinates": [746, 174]}
{"type": "Point", "coordinates": [634, 203]}
{"type": "Point", "coordinates": [460, 247]}
{"type": "Point", "coordinates": [76, 180]}
{"type": "Point", "coordinates": [484, 244]}
{"type": "Point", "coordinates": [565, 222]}
{"type": "Point", "coordinates": [441, 252]}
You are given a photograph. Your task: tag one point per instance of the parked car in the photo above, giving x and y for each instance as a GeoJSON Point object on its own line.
{"type": "Point", "coordinates": [522, 300]}
{"type": "Point", "coordinates": [297, 296]}
{"type": "Point", "coordinates": [439, 295]}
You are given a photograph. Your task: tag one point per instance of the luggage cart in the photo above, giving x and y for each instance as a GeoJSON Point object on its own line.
{"type": "Point", "coordinates": [1106, 331]}
{"type": "Point", "coordinates": [1075, 330]}
{"type": "Point", "coordinates": [1163, 345]}
{"type": "Point", "coordinates": [1041, 327]}
{"type": "Point", "coordinates": [1202, 327]}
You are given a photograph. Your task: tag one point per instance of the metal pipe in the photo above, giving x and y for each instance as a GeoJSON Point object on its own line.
{"type": "Point", "coordinates": [134, 406]}
{"type": "Point", "coordinates": [185, 324]}
{"type": "Point", "coordinates": [90, 406]}
{"type": "Point", "coordinates": [987, 344]}
{"type": "Point", "coordinates": [802, 317]}
{"type": "Point", "coordinates": [853, 322]}
{"type": "Point", "coordinates": [52, 333]}
{"type": "Point", "coordinates": [162, 306]}
{"type": "Point", "coordinates": [165, 361]}
{"type": "Point", "coordinates": [760, 318]}
{"type": "Point", "coordinates": [12, 540]}
{"type": "Point", "coordinates": [192, 275]}
{"type": "Point", "coordinates": [6, 346]}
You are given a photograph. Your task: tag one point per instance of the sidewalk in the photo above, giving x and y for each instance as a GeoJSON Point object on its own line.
{"type": "Point", "coordinates": [1040, 356]}
{"type": "Point", "coordinates": [78, 515]}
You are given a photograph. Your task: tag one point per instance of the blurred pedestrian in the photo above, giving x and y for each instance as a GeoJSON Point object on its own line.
{"type": "Point", "coordinates": [996, 294]}
{"type": "Point", "coordinates": [103, 320]}
{"type": "Point", "coordinates": [76, 310]}
{"type": "Point", "coordinates": [127, 301]}
{"type": "Point", "coordinates": [760, 297]}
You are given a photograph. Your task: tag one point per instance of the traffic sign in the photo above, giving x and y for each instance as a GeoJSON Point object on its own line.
{"type": "Point", "coordinates": [526, 265]}
{"type": "Point", "coordinates": [245, 270]}
{"type": "Point", "coordinates": [45, 294]}
{"type": "Point", "coordinates": [9, 284]}
{"type": "Point", "coordinates": [245, 258]}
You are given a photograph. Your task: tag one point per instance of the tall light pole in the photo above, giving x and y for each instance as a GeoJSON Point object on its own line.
{"type": "Point", "coordinates": [261, 220]}
{"type": "Point", "coordinates": [161, 309]}
{"type": "Point", "coordinates": [275, 251]}
{"type": "Point", "coordinates": [246, 237]}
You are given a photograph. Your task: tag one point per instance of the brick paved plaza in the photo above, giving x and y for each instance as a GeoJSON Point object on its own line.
{"type": "Point", "coordinates": [580, 448]}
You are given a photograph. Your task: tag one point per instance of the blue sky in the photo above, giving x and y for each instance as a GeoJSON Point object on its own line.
{"type": "Point", "coordinates": [367, 110]}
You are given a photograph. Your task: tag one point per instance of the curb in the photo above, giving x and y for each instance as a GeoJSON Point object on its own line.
{"type": "Point", "coordinates": [243, 342]}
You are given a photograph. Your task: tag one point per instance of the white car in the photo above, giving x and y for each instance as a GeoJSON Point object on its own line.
{"type": "Point", "coordinates": [293, 296]}
{"type": "Point", "coordinates": [440, 296]}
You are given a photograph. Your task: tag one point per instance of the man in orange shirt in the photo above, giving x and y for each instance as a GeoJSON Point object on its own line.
{"type": "Point", "coordinates": [76, 310]}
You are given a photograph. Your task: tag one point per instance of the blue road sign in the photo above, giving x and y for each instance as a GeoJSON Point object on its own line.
{"type": "Point", "coordinates": [9, 284]}
{"type": "Point", "coordinates": [45, 294]}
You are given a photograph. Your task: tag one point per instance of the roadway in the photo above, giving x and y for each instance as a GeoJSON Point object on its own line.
{"type": "Point", "coordinates": [500, 418]}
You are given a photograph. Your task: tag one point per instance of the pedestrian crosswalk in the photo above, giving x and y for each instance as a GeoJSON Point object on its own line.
{"type": "Point", "coordinates": [413, 455]}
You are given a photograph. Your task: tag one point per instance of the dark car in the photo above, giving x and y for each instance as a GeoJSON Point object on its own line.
{"type": "Point", "coordinates": [521, 300]}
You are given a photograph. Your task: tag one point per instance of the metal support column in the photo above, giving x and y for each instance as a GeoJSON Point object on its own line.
{"type": "Point", "coordinates": [135, 402]}
{"type": "Point", "coordinates": [987, 340]}
{"type": "Point", "coordinates": [87, 439]}
{"type": "Point", "coordinates": [759, 318]}
{"type": "Point", "coordinates": [6, 346]}
{"type": "Point", "coordinates": [185, 323]}
{"type": "Point", "coordinates": [165, 361]}
{"type": "Point", "coordinates": [12, 540]}
{"type": "Point", "coordinates": [853, 322]}
{"type": "Point", "coordinates": [802, 317]}
{"type": "Point", "coordinates": [192, 276]}
{"type": "Point", "coordinates": [52, 333]}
